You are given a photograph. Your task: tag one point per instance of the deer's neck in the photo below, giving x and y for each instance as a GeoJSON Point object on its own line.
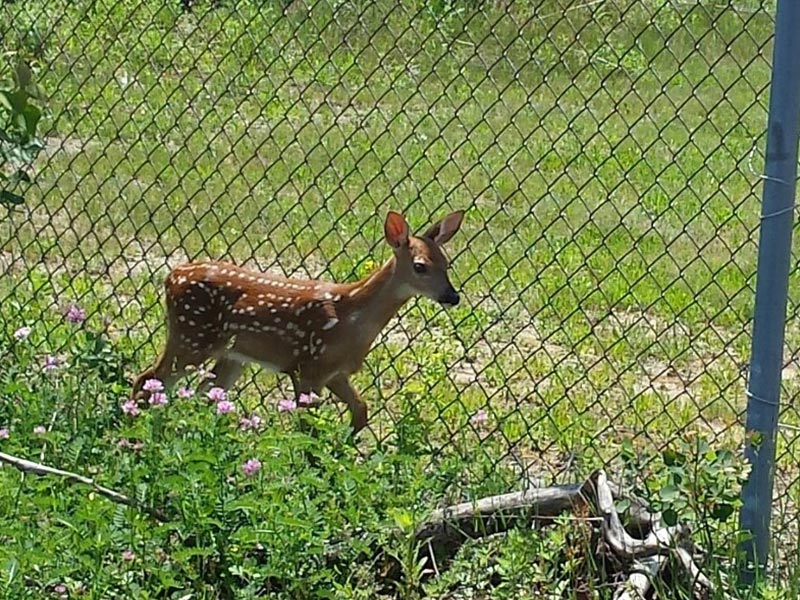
{"type": "Point", "coordinates": [373, 301]}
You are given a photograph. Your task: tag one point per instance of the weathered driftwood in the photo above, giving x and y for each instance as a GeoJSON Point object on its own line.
{"type": "Point", "coordinates": [446, 530]}
{"type": "Point", "coordinates": [497, 513]}
{"type": "Point", "coordinates": [698, 579]}
{"type": "Point", "coordinates": [658, 541]}
{"type": "Point", "coordinates": [641, 578]}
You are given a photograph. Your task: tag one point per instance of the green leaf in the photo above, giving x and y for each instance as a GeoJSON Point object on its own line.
{"type": "Point", "coordinates": [24, 75]}
{"type": "Point", "coordinates": [402, 519]}
{"type": "Point", "coordinates": [20, 176]}
{"type": "Point", "coordinates": [627, 446]}
{"type": "Point", "coordinates": [670, 517]}
{"type": "Point", "coordinates": [722, 511]}
{"type": "Point", "coordinates": [5, 100]}
{"type": "Point", "coordinates": [18, 120]}
{"type": "Point", "coordinates": [32, 114]}
{"type": "Point", "coordinates": [202, 456]}
{"type": "Point", "coordinates": [290, 521]}
{"type": "Point", "coordinates": [671, 457]}
{"type": "Point", "coordinates": [188, 553]}
{"type": "Point", "coordinates": [18, 100]}
{"type": "Point", "coordinates": [669, 493]}
{"type": "Point", "coordinates": [10, 198]}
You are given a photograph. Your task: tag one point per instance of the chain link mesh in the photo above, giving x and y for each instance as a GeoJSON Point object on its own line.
{"type": "Point", "coordinates": [607, 153]}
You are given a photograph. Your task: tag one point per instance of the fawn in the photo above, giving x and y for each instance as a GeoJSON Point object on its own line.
{"type": "Point", "coordinates": [317, 332]}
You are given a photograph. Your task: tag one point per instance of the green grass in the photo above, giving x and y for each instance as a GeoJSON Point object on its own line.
{"type": "Point", "coordinates": [608, 159]}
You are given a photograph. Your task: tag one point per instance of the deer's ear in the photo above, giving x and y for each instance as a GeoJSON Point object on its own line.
{"type": "Point", "coordinates": [441, 231]}
{"type": "Point", "coordinates": [395, 229]}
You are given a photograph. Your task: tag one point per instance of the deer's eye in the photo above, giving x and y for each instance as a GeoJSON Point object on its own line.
{"type": "Point", "coordinates": [420, 267]}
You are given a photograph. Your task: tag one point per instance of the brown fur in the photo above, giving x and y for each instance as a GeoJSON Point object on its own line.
{"type": "Point", "coordinates": [317, 332]}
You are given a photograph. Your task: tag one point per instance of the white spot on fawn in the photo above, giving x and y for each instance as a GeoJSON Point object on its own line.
{"type": "Point", "coordinates": [330, 324]}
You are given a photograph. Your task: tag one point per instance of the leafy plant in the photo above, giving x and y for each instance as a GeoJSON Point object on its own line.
{"type": "Point", "coordinates": [695, 483]}
{"type": "Point", "coordinates": [19, 120]}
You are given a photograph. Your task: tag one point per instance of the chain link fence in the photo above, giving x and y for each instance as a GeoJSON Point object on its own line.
{"type": "Point", "coordinates": [607, 153]}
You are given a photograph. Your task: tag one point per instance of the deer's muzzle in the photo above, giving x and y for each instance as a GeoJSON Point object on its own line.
{"type": "Point", "coordinates": [449, 298]}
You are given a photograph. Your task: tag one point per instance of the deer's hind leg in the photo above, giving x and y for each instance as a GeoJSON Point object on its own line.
{"type": "Point", "coordinates": [226, 372]}
{"type": "Point", "coordinates": [168, 368]}
{"type": "Point", "coordinates": [184, 347]}
{"type": "Point", "coordinates": [174, 362]}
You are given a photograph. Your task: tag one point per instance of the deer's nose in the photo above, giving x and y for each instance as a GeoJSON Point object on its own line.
{"type": "Point", "coordinates": [450, 298]}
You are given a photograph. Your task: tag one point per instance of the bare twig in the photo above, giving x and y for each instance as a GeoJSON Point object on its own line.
{"type": "Point", "coordinates": [28, 466]}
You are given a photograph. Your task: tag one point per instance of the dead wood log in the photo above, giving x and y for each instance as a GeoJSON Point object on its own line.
{"type": "Point", "coordinates": [658, 541]}
{"type": "Point", "coordinates": [455, 524]}
{"type": "Point", "coordinates": [447, 529]}
{"type": "Point", "coordinates": [442, 534]}
{"type": "Point", "coordinates": [696, 576]}
{"type": "Point", "coordinates": [641, 578]}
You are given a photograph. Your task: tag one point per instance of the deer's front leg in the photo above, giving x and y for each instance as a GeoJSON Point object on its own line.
{"type": "Point", "coordinates": [343, 389]}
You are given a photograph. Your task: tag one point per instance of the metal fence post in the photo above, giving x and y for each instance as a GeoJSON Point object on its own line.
{"type": "Point", "coordinates": [772, 285]}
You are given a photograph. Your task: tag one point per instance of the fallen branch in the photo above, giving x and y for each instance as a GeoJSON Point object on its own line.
{"type": "Point", "coordinates": [446, 530]}
{"type": "Point", "coordinates": [699, 580]}
{"type": "Point", "coordinates": [641, 578]}
{"type": "Point", "coordinates": [658, 541]}
{"type": "Point", "coordinates": [28, 466]}
{"type": "Point", "coordinates": [442, 534]}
